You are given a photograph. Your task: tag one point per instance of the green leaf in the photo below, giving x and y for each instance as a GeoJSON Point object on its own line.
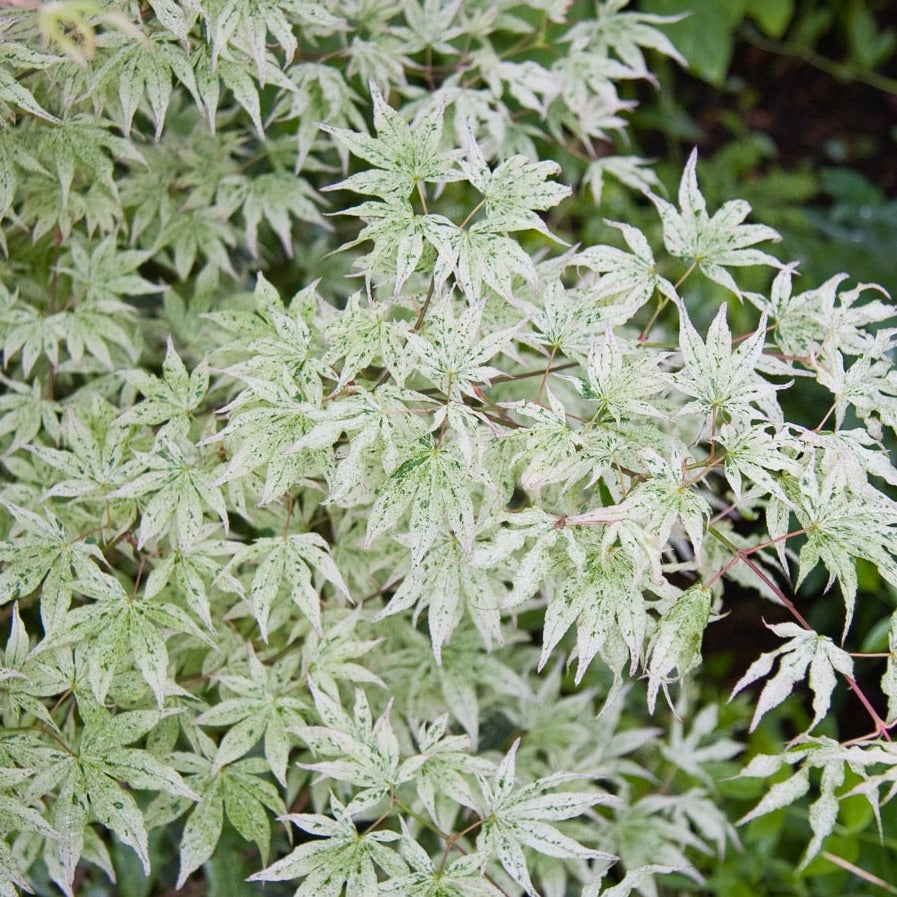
{"type": "Point", "coordinates": [483, 254]}
{"type": "Point", "coordinates": [779, 795]}
{"type": "Point", "coordinates": [150, 655]}
{"type": "Point", "coordinates": [294, 559]}
{"type": "Point", "coordinates": [773, 16]}
{"type": "Point", "coordinates": [250, 21]}
{"type": "Point", "coordinates": [446, 582]}
{"type": "Point", "coordinates": [173, 398]}
{"type": "Point", "coordinates": [605, 601]}
{"type": "Point", "coordinates": [277, 198]}
{"type": "Point", "coordinates": [341, 857]}
{"type": "Point", "coordinates": [723, 381]}
{"type": "Point", "coordinates": [843, 525]}
{"type": "Point", "coordinates": [247, 814]}
{"type": "Point", "coordinates": [453, 354]}
{"type": "Point", "coordinates": [889, 679]}
{"type": "Point", "coordinates": [140, 69]}
{"type": "Point", "coordinates": [632, 275]}
{"type": "Point", "coordinates": [705, 34]}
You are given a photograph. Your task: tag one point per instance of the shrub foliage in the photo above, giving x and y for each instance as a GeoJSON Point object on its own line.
{"type": "Point", "coordinates": [344, 486]}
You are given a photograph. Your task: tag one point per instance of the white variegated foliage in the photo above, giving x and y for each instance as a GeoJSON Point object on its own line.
{"type": "Point", "coordinates": [284, 551]}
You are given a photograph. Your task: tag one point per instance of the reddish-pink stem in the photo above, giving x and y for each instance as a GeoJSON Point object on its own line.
{"type": "Point", "coordinates": [743, 555]}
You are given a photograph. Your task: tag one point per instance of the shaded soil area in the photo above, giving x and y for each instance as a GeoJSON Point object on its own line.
{"type": "Point", "coordinates": [814, 117]}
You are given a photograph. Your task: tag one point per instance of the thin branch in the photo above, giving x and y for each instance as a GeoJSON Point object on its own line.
{"type": "Point", "coordinates": [447, 838]}
{"type": "Point", "coordinates": [425, 307]}
{"type": "Point", "coordinates": [508, 378]}
{"type": "Point", "coordinates": [473, 212]}
{"type": "Point", "coordinates": [843, 71]}
{"type": "Point", "coordinates": [453, 841]}
{"type": "Point", "coordinates": [860, 872]}
{"type": "Point", "coordinates": [423, 197]}
{"type": "Point", "coordinates": [686, 275]}
{"type": "Point", "coordinates": [544, 379]}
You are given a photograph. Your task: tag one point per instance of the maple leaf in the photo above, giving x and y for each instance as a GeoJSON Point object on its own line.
{"type": "Point", "coordinates": [831, 758]}
{"type": "Point", "coordinates": [562, 321]}
{"type": "Point", "coordinates": [366, 752]}
{"type": "Point", "coordinates": [483, 254]}
{"type": "Point", "coordinates": [804, 650]}
{"type": "Point", "coordinates": [448, 767]}
{"type": "Point", "coordinates": [117, 627]}
{"type": "Point", "coordinates": [194, 559]}
{"type": "Point", "coordinates": [24, 412]}
{"type": "Point", "coordinates": [247, 23]}
{"type": "Point", "coordinates": [459, 878]}
{"type": "Point", "coordinates": [889, 677]}
{"type": "Point", "coordinates": [276, 197]}
{"type": "Point", "coordinates": [13, 91]}
{"type": "Point", "coordinates": [676, 643]}
{"type": "Point", "coordinates": [89, 784]}
{"type": "Point", "coordinates": [713, 243]}
{"type": "Point", "coordinates": [632, 171]}
{"type": "Point", "coordinates": [171, 399]}
{"type": "Point", "coordinates": [145, 68]}
{"type": "Point", "coordinates": [433, 483]}
{"type": "Point", "coordinates": [404, 156]}
{"type": "Point", "coordinates": [630, 275]}
{"type": "Point", "coordinates": [805, 321]}
{"type": "Point", "coordinates": [550, 444]}
{"type": "Point", "coordinates": [724, 381]}
{"type": "Point", "coordinates": [868, 385]}
{"type": "Point", "coordinates": [431, 24]}
{"type": "Point", "coordinates": [181, 487]}
{"type": "Point", "coordinates": [626, 33]}
{"type": "Point", "coordinates": [841, 525]}
{"type": "Point", "coordinates": [453, 354]}
{"type": "Point", "coordinates": [237, 791]}
{"type": "Point", "coordinates": [293, 558]}
{"type": "Point", "coordinates": [446, 582]}
{"type": "Point", "coordinates": [340, 857]}
{"type": "Point", "coordinates": [262, 705]}
{"type": "Point", "coordinates": [654, 506]}
{"type": "Point", "coordinates": [40, 555]}
{"type": "Point", "coordinates": [622, 379]}
{"type": "Point", "coordinates": [361, 336]}
{"type": "Point", "coordinates": [519, 815]}
{"type": "Point", "coordinates": [605, 599]}
{"type": "Point", "coordinates": [755, 454]}
{"type": "Point", "coordinates": [515, 190]}
{"type": "Point", "coordinates": [400, 237]}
